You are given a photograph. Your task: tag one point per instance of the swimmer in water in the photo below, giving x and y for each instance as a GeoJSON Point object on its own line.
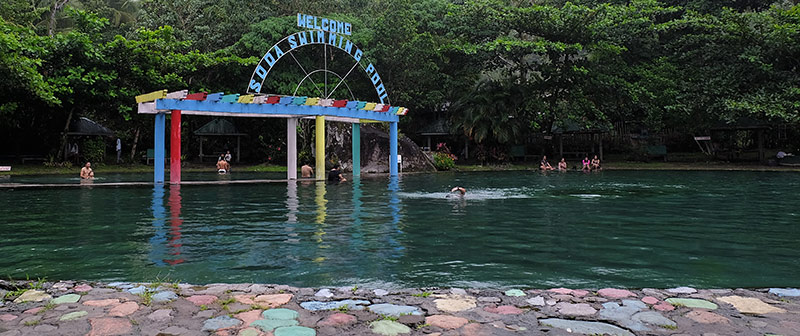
{"type": "Point", "coordinates": [459, 189]}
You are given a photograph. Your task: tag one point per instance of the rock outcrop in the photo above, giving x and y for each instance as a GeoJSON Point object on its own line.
{"type": "Point", "coordinates": [374, 150]}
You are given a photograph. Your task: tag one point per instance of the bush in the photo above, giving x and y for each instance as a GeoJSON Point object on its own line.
{"type": "Point", "coordinates": [94, 150]}
{"type": "Point", "coordinates": [444, 161]}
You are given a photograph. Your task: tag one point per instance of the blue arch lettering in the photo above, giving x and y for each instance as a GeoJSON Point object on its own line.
{"type": "Point", "coordinates": [300, 39]}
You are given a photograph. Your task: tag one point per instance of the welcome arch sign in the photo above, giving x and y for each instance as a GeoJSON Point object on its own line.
{"type": "Point", "coordinates": [322, 31]}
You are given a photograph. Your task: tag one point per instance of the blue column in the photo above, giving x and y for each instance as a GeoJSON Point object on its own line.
{"type": "Point", "coordinates": [356, 150]}
{"type": "Point", "coordinates": [160, 128]}
{"type": "Point", "coordinates": [393, 149]}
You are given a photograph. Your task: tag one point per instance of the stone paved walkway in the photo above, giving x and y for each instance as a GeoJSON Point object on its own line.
{"type": "Point", "coordinates": [83, 308]}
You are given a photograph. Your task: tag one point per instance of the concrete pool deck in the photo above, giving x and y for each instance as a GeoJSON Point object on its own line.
{"type": "Point", "coordinates": [130, 308]}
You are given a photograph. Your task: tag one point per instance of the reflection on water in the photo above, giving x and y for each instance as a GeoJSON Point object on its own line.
{"type": "Point", "coordinates": [159, 241]}
{"type": "Point", "coordinates": [629, 229]}
{"type": "Point", "coordinates": [175, 223]}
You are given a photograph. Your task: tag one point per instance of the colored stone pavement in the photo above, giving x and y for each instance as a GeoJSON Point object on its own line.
{"type": "Point", "coordinates": [80, 308]}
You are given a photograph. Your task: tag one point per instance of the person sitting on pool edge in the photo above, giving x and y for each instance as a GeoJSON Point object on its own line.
{"type": "Point", "coordinates": [596, 163]}
{"type": "Point", "coordinates": [544, 165]}
{"type": "Point", "coordinates": [87, 172]}
{"type": "Point", "coordinates": [223, 167]}
{"type": "Point", "coordinates": [562, 165]}
{"type": "Point", "coordinates": [335, 175]}
{"type": "Point", "coordinates": [586, 163]}
{"type": "Point", "coordinates": [459, 189]}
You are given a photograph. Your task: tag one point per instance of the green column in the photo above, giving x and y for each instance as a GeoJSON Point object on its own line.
{"type": "Point", "coordinates": [356, 149]}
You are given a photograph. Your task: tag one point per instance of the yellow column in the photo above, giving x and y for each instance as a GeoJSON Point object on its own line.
{"type": "Point", "coordinates": [320, 133]}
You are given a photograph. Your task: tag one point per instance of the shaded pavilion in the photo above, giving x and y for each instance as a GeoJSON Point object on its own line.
{"type": "Point", "coordinates": [743, 124]}
{"type": "Point", "coordinates": [84, 127]}
{"type": "Point", "coordinates": [219, 128]}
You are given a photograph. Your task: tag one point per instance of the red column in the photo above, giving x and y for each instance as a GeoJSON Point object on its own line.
{"type": "Point", "coordinates": [175, 148]}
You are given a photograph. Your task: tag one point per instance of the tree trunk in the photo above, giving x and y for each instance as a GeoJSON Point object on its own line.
{"type": "Point", "coordinates": [61, 151]}
{"type": "Point", "coordinates": [56, 7]}
{"type": "Point", "coordinates": [135, 141]}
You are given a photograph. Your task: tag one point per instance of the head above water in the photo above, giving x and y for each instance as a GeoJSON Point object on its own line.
{"type": "Point", "coordinates": [88, 165]}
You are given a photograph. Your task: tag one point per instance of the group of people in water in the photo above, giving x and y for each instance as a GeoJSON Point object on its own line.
{"type": "Point", "coordinates": [335, 175]}
{"type": "Point", "coordinates": [587, 165]}
{"type": "Point", "coordinates": [224, 163]}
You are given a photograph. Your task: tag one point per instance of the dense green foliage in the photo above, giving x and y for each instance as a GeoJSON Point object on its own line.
{"type": "Point", "coordinates": [498, 70]}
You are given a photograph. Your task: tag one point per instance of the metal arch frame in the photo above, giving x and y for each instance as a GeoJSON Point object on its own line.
{"type": "Point", "coordinates": [253, 75]}
{"type": "Point", "coordinates": [352, 97]}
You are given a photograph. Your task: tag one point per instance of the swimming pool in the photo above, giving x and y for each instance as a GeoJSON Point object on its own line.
{"type": "Point", "coordinates": [614, 228]}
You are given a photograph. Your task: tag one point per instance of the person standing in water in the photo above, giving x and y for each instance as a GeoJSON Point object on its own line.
{"type": "Point", "coordinates": [306, 171]}
{"type": "Point", "coordinates": [87, 172]}
{"type": "Point", "coordinates": [335, 175]}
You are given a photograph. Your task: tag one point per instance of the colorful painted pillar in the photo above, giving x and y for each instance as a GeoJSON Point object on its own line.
{"type": "Point", "coordinates": [291, 148]}
{"type": "Point", "coordinates": [175, 148]}
{"type": "Point", "coordinates": [356, 149]}
{"type": "Point", "coordinates": [393, 149]}
{"type": "Point", "coordinates": [320, 135]}
{"type": "Point", "coordinates": [158, 148]}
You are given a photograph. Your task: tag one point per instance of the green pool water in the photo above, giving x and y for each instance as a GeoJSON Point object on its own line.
{"type": "Point", "coordinates": [615, 228]}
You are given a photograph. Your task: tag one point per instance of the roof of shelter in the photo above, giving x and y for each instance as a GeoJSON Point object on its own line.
{"type": "Point", "coordinates": [85, 126]}
{"type": "Point", "coordinates": [218, 127]}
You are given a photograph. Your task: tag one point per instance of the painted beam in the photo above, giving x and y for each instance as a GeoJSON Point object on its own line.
{"type": "Point", "coordinates": [356, 149]}
{"type": "Point", "coordinates": [273, 99]}
{"type": "Point", "coordinates": [158, 148]}
{"type": "Point", "coordinates": [147, 97]}
{"type": "Point", "coordinates": [291, 148]}
{"type": "Point", "coordinates": [339, 103]}
{"type": "Point", "coordinates": [245, 99]}
{"type": "Point", "coordinates": [320, 148]}
{"type": "Point", "coordinates": [191, 107]}
{"type": "Point", "coordinates": [231, 98]}
{"type": "Point", "coordinates": [360, 105]}
{"type": "Point", "coordinates": [197, 96]}
{"type": "Point", "coordinates": [286, 100]}
{"type": "Point", "coordinates": [393, 149]}
{"type": "Point", "coordinates": [299, 100]}
{"type": "Point", "coordinates": [312, 101]}
{"type": "Point", "coordinates": [175, 147]}
{"type": "Point", "coordinates": [259, 99]}
{"type": "Point", "coordinates": [177, 94]}
{"type": "Point", "coordinates": [215, 97]}
{"type": "Point", "coordinates": [326, 102]}
{"type": "Point", "coordinates": [369, 106]}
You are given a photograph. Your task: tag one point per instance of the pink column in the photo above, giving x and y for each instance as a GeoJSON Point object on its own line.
{"type": "Point", "coordinates": [175, 148]}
